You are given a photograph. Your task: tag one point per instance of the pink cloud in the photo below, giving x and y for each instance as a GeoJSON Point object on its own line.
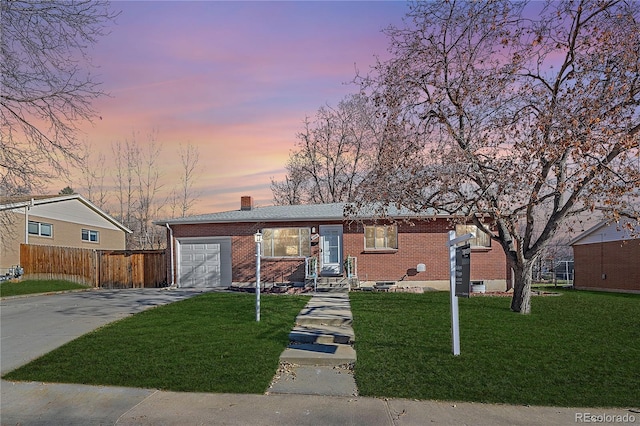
{"type": "Point", "coordinates": [235, 79]}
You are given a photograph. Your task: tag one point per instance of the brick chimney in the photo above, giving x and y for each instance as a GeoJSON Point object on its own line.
{"type": "Point", "coordinates": [246, 202]}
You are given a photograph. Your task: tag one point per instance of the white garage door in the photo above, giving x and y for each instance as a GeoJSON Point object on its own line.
{"type": "Point", "coordinates": [205, 263]}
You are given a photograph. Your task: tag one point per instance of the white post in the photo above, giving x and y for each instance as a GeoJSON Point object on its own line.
{"type": "Point", "coordinates": [455, 323]}
{"type": "Point", "coordinates": [258, 238]}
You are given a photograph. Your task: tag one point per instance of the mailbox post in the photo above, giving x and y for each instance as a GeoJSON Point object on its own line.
{"type": "Point", "coordinates": [258, 238]}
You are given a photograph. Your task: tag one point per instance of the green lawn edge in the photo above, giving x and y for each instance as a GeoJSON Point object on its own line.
{"type": "Point", "coordinates": [26, 287]}
{"type": "Point", "coordinates": [579, 349]}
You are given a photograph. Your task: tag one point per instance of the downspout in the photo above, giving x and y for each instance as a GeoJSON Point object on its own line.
{"type": "Point", "coordinates": [26, 221]}
{"type": "Point", "coordinates": [171, 254]}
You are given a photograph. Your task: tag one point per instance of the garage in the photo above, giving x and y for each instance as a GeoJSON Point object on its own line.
{"type": "Point", "coordinates": [204, 263]}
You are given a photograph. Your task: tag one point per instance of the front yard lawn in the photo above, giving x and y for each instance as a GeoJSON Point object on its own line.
{"type": "Point", "coordinates": [579, 349]}
{"type": "Point", "coordinates": [19, 288]}
{"type": "Point", "coordinates": [209, 343]}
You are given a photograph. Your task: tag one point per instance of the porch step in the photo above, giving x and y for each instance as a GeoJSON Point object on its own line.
{"type": "Point", "coordinates": [330, 284]}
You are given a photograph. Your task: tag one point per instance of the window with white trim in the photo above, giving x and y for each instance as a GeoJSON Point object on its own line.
{"type": "Point", "coordinates": [286, 242]}
{"type": "Point", "coordinates": [481, 239]}
{"type": "Point", "coordinates": [380, 237]}
{"type": "Point", "coordinates": [90, 235]}
{"type": "Point", "coordinates": [40, 229]}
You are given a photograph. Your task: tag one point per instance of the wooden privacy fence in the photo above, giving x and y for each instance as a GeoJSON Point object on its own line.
{"type": "Point", "coordinates": [97, 268]}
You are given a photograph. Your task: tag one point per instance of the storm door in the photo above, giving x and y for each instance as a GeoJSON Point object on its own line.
{"type": "Point", "coordinates": [331, 250]}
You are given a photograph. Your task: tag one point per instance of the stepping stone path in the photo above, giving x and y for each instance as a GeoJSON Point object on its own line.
{"type": "Point", "coordinates": [320, 358]}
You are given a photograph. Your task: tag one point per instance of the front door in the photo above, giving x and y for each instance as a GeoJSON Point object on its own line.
{"type": "Point", "coordinates": [331, 249]}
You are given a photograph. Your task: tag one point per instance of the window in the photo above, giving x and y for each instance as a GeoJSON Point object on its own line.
{"type": "Point", "coordinates": [380, 237]}
{"type": "Point", "coordinates": [90, 235]}
{"type": "Point", "coordinates": [41, 229]}
{"type": "Point", "coordinates": [481, 239]}
{"type": "Point", "coordinates": [286, 242]}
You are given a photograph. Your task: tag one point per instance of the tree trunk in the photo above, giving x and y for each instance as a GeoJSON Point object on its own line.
{"type": "Point", "coordinates": [521, 300]}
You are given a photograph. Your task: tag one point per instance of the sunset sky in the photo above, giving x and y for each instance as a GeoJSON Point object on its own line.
{"type": "Point", "coordinates": [235, 79]}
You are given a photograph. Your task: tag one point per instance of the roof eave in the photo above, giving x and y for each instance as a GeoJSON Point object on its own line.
{"type": "Point", "coordinates": [57, 199]}
{"type": "Point", "coordinates": [588, 232]}
{"type": "Point", "coordinates": [302, 219]}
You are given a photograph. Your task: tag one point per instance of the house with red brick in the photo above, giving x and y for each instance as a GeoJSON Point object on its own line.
{"type": "Point", "coordinates": [301, 242]}
{"type": "Point", "coordinates": [607, 257]}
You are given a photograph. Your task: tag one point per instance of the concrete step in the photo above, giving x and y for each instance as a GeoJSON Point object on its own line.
{"type": "Point", "coordinates": [313, 380]}
{"type": "Point", "coordinates": [318, 319]}
{"type": "Point", "coordinates": [319, 354]}
{"type": "Point", "coordinates": [330, 284]}
{"type": "Point", "coordinates": [322, 334]}
{"type": "Point", "coordinates": [323, 289]}
{"type": "Point", "coordinates": [326, 310]}
{"type": "Point", "coordinates": [329, 301]}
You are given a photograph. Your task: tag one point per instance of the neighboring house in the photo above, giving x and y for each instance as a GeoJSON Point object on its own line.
{"type": "Point", "coordinates": [607, 258]}
{"type": "Point", "coordinates": [219, 249]}
{"type": "Point", "coordinates": [55, 220]}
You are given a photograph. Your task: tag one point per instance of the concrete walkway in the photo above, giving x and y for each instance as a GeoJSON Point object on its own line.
{"type": "Point", "coordinates": [320, 358]}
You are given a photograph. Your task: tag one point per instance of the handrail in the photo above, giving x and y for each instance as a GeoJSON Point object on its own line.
{"type": "Point", "coordinates": [310, 267]}
{"type": "Point", "coordinates": [351, 267]}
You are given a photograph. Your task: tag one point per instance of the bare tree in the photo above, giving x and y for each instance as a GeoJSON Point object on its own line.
{"type": "Point", "coordinates": [125, 155]}
{"type": "Point", "coordinates": [186, 196]}
{"type": "Point", "coordinates": [526, 114]}
{"type": "Point", "coordinates": [331, 154]}
{"type": "Point", "coordinates": [147, 175]}
{"type": "Point", "coordinates": [46, 86]}
{"type": "Point", "coordinates": [137, 185]}
{"type": "Point", "coordinates": [93, 172]}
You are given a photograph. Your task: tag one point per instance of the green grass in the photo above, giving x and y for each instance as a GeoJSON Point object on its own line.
{"type": "Point", "coordinates": [18, 288]}
{"type": "Point", "coordinates": [577, 349]}
{"type": "Point", "coordinates": [209, 343]}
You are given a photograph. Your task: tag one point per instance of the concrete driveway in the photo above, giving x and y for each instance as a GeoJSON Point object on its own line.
{"type": "Point", "coordinates": [34, 325]}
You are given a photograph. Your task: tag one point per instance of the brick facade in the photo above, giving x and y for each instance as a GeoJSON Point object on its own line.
{"type": "Point", "coordinates": [609, 266]}
{"type": "Point", "coordinates": [418, 242]}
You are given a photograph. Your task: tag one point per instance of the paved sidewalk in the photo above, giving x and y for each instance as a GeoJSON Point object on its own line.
{"type": "Point", "coordinates": [62, 404]}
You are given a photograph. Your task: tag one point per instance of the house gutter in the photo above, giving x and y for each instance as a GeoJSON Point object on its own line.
{"type": "Point", "coordinates": [171, 254]}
